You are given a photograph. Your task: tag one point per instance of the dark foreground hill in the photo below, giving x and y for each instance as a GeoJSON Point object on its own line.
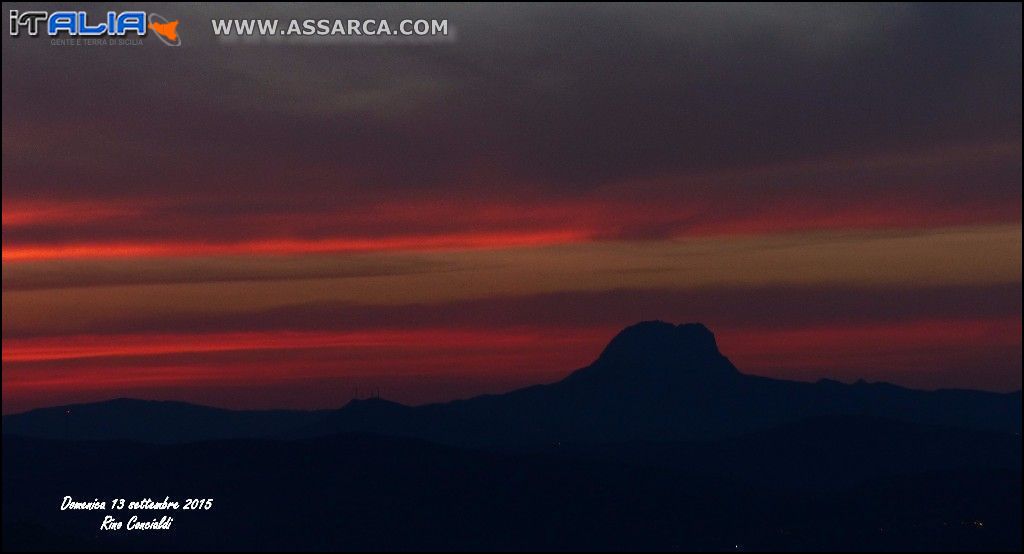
{"type": "Point", "coordinates": [877, 486]}
{"type": "Point", "coordinates": [653, 382]}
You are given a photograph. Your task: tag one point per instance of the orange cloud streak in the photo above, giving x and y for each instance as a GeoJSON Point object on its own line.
{"type": "Point", "coordinates": [452, 241]}
{"type": "Point", "coordinates": [25, 214]}
{"type": "Point", "coordinates": [115, 229]}
{"type": "Point", "coordinates": [111, 346]}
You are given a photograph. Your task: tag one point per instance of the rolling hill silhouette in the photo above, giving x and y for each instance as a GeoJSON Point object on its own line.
{"type": "Point", "coordinates": [153, 421]}
{"type": "Point", "coordinates": [653, 382]}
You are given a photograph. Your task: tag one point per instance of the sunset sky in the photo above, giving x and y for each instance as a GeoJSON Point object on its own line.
{"type": "Point", "coordinates": [834, 191]}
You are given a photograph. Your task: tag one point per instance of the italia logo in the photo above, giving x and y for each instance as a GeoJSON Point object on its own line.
{"type": "Point", "coordinates": [79, 24]}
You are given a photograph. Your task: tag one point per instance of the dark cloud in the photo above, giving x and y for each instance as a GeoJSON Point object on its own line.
{"type": "Point", "coordinates": [560, 98]}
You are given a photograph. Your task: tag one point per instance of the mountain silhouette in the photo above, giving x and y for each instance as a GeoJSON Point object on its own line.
{"type": "Point", "coordinates": [659, 350]}
{"type": "Point", "coordinates": [654, 381]}
{"type": "Point", "coordinates": [658, 381]}
{"type": "Point", "coordinates": [659, 444]}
